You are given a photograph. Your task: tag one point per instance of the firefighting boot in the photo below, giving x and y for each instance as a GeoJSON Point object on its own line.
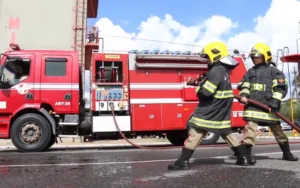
{"type": "Point", "coordinates": [234, 152]}
{"type": "Point", "coordinates": [248, 149]}
{"type": "Point", "coordinates": [287, 155]}
{"type": "Point", "coordinates": [242, 157]}
{"type": "Point", "coordinates": [183, 162]}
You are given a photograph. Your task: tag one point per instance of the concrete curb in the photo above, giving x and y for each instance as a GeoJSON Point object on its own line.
{"type": "Point", "coordinates": [114, 146]}
{"type": "Point", "coordinates": [272, 137]}
{"type": "Point", "coordinates": [96, 145]}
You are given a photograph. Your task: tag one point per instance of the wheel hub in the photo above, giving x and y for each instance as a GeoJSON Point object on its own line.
{"type": "Point", "coordinates": [30, 133]}
{"type": "Point", "coordinates": [208, 136]}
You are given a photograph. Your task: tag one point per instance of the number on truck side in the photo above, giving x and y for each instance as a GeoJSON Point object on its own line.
{"type": "Point", "coordinates": [62, 103]}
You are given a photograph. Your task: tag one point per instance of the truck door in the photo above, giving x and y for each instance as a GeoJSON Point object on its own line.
{"type": "Point", "coordinates": [56, 86]}
{"type": "Point", "coordinates": [16, 88]}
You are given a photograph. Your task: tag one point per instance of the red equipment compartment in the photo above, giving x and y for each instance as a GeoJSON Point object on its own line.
{"type": "Point", "coordinates": [150, 117]}
{"type": "Point", "coordinates": [236, 115]}
{"type": "Point", "coordinates": [237, 111]}
{"type": "Point", "coordinates": [172, 116]}
{"type": "Point", "coordinates": [146, 117]}
{"type": "Point", "coordinates": [188, 109]}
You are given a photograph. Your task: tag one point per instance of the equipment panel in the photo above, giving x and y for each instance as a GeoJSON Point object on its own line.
{"type": "Point", "coordinates": [109, 93]}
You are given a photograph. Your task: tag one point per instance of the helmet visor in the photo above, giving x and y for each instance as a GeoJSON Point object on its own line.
{"type": "Point", "coordinates": [228, 60]}
{"type": "Point", "coordinates": [204, 55]}
{"type": "Point", "coordinates": [255, 54]}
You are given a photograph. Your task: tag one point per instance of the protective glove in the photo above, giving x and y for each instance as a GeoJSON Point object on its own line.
{"type": "Point", "coordinates": [191, 82]}
{"type": "Point", "coordinates": [202, 77]}
{"type": "Point", "coordinates": [273, 110]}
{"type": "Point", "coordinates": [274, 105]}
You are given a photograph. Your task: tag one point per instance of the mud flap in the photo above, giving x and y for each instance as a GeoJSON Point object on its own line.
{"type": "Point", "coordinates": [50, 118]}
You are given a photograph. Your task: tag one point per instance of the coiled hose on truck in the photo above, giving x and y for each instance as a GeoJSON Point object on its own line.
{"type": "Point", "coordinates": [265, 107]}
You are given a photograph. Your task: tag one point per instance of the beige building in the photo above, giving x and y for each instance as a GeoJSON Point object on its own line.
{"type": "Point", "coordinates": [46, 24]}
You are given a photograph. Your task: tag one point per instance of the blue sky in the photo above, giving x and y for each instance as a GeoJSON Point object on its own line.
{"type": "Point", "coordinates": [193, 12]}
{"type": "Point", "coordinates": [188, 12]}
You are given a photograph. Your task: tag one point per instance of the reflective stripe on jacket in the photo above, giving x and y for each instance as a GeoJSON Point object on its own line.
{"type": "Point", "coordinates": [215, 95]}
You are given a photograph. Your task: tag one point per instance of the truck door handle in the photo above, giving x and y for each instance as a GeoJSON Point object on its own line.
{"type": "Point", "coordinates": [29, 96]}
{"type": "Point", "coordinates": [68, 96]}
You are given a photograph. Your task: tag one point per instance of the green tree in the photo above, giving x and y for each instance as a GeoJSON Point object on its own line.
{"type": "Point", "coordinates": [286, 110]}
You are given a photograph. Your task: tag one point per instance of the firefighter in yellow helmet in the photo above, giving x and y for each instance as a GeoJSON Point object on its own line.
{"type": "Point", "coordinates": [213, 112]}
{"type": "Point", "coordinates": [267, 85]}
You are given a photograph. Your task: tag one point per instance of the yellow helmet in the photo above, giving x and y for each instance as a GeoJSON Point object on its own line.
{"type": "Point", "coordinates": [261, 50]}
{"type": "Point", "coordinates": [217, 51]}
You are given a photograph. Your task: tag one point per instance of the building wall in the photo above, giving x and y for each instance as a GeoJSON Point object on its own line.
{"type": "Point", "coordinates": [37, 24]}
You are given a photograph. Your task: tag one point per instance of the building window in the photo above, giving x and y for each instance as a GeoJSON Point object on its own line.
{"type": "Point", "coordinates": [56, 67]}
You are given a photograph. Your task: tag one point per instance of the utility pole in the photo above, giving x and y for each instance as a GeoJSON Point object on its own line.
{"type": "Point", "coordinates": [296, 74]}
{"type": "Point", "coordinates": [298, 67]}
{"type": "Point", "coordinates": [296, 84]}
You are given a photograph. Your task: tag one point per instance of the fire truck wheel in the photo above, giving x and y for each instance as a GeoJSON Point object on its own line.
{"type": "Point", "coordinates": [177, 138]}
{"type": "Point", "coordinates": [210, 138]}
{"type": "Point", "coordinates": [31, 133]}
{"type": "Point", "coordinates": [51, 142]}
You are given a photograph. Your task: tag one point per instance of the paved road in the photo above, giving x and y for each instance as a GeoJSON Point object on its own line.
{"type": "Point", "coordinates": [211, 167]}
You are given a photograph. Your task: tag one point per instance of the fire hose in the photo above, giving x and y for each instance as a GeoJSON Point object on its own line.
{"type": "Point", "coordinates": [220, 145]}
{"type": "Point", "coordinates": [202, 78]}
{"type": "Point", "coordinates": [278, 114]}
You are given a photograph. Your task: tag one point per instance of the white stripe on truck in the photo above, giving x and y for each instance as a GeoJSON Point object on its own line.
{"type": "Point", "coordinates": [162, 101]}
{"type": "Point", "coordinates": [47, 86]}
{"type": "Point", "coordinates": [164, 86]}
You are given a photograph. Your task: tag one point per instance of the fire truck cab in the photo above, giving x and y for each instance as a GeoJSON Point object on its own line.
{"type": "Point", "coordinates": [42, 96]}
{"type": "Point", "coordinates": [35, 86]}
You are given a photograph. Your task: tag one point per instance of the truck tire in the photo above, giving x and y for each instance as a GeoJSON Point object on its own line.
{"type": "Point", "coordinates": [51, 143]}
{"type": "Point", "coordinates": [210, 138]}
{"type": "Point", "coordinates": [178, 138]}
{"type": "Point", "coordinates": [31, 133]}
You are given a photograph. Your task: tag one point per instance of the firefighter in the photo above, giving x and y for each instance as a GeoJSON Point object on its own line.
{"type": "Point", "coordinates": [213, 112]}
{"type": "Point", "coordinates": [267, 85]}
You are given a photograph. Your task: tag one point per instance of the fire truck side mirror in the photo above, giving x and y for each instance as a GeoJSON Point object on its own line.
{"type": "Point", "coordinates": [2, 75]}
{"type": "Point", "coordinates": [2, 78]}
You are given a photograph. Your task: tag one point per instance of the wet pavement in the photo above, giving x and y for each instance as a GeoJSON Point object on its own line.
{"type": "Point", "coordinates": [210, 167]}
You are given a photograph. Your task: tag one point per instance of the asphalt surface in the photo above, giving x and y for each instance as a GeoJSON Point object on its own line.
{"type": "Point", "coordinates": [210, 167]}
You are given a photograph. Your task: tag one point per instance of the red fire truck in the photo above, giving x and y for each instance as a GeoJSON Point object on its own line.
{"type": "Point", "coordinates": [42, 96]}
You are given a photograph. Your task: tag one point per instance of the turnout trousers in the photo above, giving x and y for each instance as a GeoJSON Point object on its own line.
{"type": "Point", "coordinates": [196, 136]}
{"type": "Point", "coordinates": [250, 135]}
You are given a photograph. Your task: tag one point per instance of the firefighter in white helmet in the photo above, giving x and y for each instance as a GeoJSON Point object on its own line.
{"type": "Point", "coordinates": [266, 84]}
{"type": "Point", "coordinates": [213, 113]}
